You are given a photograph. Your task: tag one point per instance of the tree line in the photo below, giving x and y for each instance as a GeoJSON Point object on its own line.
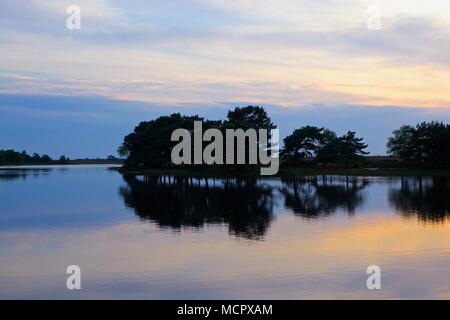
{"type": "Point", "coordinates": [150, 145]}
{"type": "Point", "coordinates": [322, 146]}
{"type": "Point", "coordinates": [11, 157]}
{"type": "Point", "coordinates": [426, 145]}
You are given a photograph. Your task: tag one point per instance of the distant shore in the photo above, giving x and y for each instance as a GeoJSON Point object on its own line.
{"type": "Point", "coordinates": [70, 162]}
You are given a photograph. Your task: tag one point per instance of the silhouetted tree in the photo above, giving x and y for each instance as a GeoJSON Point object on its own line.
{"type": "Point", "coordinates": [63, 160]}
{"type": "Point", "coordinates": [347, 149]}
{"type": "Point", "coordinates": [303, 143]}
{"type": "Point", "coordinates": [150, 145]}
{"type": "Point", "coordinates": [351, 148]}
{"type": "Point", "coordinates": [248, 117]}
{"type": "Point", "coordinates": [401, 143]}
{"type": "Point", "coordinates": [11, 157]}
{"type": "Point", "coordinates": [329, 153]}
{"type": "Point", "coordinates": [426, 145]}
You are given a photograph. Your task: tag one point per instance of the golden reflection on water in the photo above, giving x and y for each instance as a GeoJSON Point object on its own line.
{"type": "Point", "coordinates": [297, 259]}
{"type": "Point", "coordinates": [169, 238]}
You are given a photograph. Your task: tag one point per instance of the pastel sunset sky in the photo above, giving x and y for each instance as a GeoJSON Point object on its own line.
{"type": "Point", "coordinates": [78, 92]}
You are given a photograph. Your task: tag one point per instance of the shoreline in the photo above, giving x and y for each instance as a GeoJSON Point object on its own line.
{"type": "Point", "coordinates": [283, 172]}
{"type": "Point", "coordinates": [75, 163]}
{"type": "Point", "coordinates": [289, 172]}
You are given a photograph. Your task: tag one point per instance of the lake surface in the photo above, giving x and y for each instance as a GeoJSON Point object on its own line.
{"type": "Point", "coordinates": [179, 238]}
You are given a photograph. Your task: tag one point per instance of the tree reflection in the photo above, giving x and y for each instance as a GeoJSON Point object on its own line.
{"type": "Point", "coordinates": [16, 174]}
{"type": "Point", "coordinates": [245, 205]}
{"type": "Point", "coordinates": [426, 197]}
{"type": "Point", "coordinates": [315, 196]}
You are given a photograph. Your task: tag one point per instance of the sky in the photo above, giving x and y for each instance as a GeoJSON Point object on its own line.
{"type": "Point", "coordinates": [78, 92]}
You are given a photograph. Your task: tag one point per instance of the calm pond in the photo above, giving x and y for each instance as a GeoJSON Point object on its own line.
{"type": "Point", "coordinates": [185, 238]}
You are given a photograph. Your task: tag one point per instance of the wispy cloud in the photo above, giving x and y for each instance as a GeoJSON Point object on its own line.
{"type": "Point", "coordinates": [288, 53]}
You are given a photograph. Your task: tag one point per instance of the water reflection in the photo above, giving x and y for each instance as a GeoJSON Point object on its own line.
{"type": "Point", "coordinates": [16, 174]}
{"type": "Point", "coordinates": [245, 205]}
{"type": "Point", "coordinates": [311, 197]}
{"type": "Point", "coordinates": [428, 198]}
{"type": "Point", "coordinates": [53, 221]}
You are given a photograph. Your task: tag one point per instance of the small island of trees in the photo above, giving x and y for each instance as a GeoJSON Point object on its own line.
{"type": "Point", "coordinates": [425, 146]}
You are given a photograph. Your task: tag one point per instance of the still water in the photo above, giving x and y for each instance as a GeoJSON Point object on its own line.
{"type": "Point", "coordinates": [185, 238]}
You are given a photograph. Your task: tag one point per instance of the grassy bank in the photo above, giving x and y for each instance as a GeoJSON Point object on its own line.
{"type": "Point", "coordinates": [289, 172]}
